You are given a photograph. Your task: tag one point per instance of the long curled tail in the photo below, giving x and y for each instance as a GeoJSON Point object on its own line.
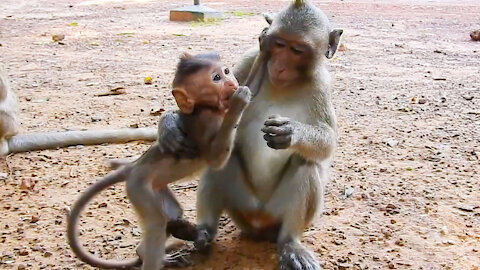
{"type": "Point", "coordinates": [72, 230]}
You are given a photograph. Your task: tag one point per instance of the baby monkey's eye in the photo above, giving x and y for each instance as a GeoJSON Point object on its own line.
{"type": "Point", "coordinates": [216, 77]}
{"type": "Point", "coordinates": [226, 71]}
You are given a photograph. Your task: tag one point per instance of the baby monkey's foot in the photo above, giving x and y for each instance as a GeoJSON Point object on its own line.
{"type": "Point", "coordinates": [178, 258]}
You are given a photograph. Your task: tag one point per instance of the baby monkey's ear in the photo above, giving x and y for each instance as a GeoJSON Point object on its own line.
{"type": "Point", "coordinates": [185, 103]}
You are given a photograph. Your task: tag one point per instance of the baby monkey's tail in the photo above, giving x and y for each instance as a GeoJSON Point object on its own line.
{"type": "Point", "coordinates": [72, 230]}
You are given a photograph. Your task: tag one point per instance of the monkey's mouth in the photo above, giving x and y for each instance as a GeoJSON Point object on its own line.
{"type": "Point", "coordinates": [280, 83]}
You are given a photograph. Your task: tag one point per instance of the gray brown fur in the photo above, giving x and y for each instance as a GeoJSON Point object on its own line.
{"type": "Point", "coordinates": [147, 179]}
{"type": "Point", "coordinates": [8, 112]}
{"type": "Point", "coordinates": [283, 173]}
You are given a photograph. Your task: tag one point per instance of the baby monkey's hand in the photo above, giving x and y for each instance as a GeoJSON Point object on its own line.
{"type": "Point", "coordinates": [240, 98]}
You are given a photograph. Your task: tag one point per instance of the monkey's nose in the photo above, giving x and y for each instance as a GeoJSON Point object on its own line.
{"type": "Point", "coordinates": [281, 70]}
{"type": "Point", "coordinates": [231, 85]}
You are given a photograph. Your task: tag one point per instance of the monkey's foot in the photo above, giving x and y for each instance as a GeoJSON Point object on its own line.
{"type": "Point", "coordinates": [3, 147]}
{"type": "Point", "coordinates": [203, 243]}
{"type": "Point", "coordinates": [187, 256]}
{"type": "Point", "coordinates": [182, 229]}
{"type": "Point", "coordinates": [294, 256]}
{"type": "Point", "coordinates": [179, 258]}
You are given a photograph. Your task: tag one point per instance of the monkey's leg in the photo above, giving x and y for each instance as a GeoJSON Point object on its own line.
{"type": "Point", "coordinates": [154, 238]}
{"type": "Point", "coordinates": [166, 208]}
{"type": "Point", "coordinates": [220, 190]}
{"type": "Point", "coordinates": [177, 226]}
{"type": "Point", "coordinates": [8, 128]}
{"type": "Point", "coordinates": [295, 203]}
{"type": "Point", "coordinates": [154, 222]}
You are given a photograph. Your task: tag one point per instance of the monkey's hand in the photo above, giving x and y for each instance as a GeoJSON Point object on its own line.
{"type": "Point", "coordinates": [279, 132]}
{"type": "Point", "coordinates": [172, 138]}
{"type": "Point", "coordinates": [240, 99]}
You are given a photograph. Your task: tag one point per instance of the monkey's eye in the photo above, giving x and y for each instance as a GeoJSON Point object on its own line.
{"type": "Point", "coordinates": [297, 51]}
{"type": "Point", "coordinates": [280, 43]}
{"type": "Point", "coordinates": [216, 77]}
{"type": "Point", "coordinates": [226, 71]}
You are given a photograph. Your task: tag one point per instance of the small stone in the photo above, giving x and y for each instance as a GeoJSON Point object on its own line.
{"type": "Point", "coordinates": [47, 254]}
{"type": "Point", "coordinates": [21, 267]}
{"type": "Point", "coordinates": [344, 266]}
{"type": "Point", "coordinates": [58, 38]}
{"type": "Point", "coordinates": [444, 230]}
{"type": "Point", "coordinates": [102, 205]}
{"type": "Point", "coordinates": [475, 35]}
{"type": "Point", "coordinates": [422, 101]}
{"type": "Point", "coordinates": [348, 191]}
{"type": "Point", "coordinates": [391, 266]}
{"type": "Point", "coordinates": [391, 142]}
{"type": "Point", "coordinates": [448, 242]}
{"type": "Point", "coordinates": [34, 219]}
{"type": "Point", "coordinates": [27, 184]}
{"type": "Point", "coordinates": [96, 118]}
{"type": "Point", "coordinates": [466, 208]}
{"type": "Point", "coordinates": [23, 252]}
{"type": "Point", "coordinates": [400, 242]}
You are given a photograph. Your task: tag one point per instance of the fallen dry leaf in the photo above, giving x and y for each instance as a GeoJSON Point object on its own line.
{"type": "Point", "coordinates": [113, 92]}
{"type": "Point", "coordinates": [148, 80]}
{"type": "Point", "coordinates": [58, 38]}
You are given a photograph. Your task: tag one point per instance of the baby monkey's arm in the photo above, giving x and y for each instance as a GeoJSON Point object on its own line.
{"type": "Point", "coordinates": [222, 144]}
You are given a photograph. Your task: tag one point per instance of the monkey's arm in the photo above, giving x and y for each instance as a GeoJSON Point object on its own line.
{"type": "Point", "coordinates": [222, 144]}
{"type": "Point", "coordinates": [242, 69]}
{"type": "Point", "coordinates": [312, 142]}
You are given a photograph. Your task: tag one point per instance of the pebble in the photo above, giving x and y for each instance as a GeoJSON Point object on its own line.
{"type": "Point", "coordinates": [444, 230]}
{"type": "Point", "coordinates": [391, 142]}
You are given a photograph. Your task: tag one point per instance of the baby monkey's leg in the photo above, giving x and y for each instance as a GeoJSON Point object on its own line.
{"type": "Point", "coordinates": [154, 221]}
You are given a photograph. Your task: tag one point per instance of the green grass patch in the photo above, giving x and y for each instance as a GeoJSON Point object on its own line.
{"type": "Point", "coordinates": [127, 34]}
{"type": "Point", "coordinates": [208, 22]}
{"type": "Point", "coordinates": [242, 13]}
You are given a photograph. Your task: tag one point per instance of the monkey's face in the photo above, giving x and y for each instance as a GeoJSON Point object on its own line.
{"type": "Point", "coordinates": [289, 61]}
{"type": "Point", "coordinates": [209, 87]}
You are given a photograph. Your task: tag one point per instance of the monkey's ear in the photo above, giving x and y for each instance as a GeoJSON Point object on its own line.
{"type": "Point", "coordinates": [184, 103]}
{"type": "Point", "coordinates": [269, 17]}
{"type": "Point", "coordinates": [333, 42]}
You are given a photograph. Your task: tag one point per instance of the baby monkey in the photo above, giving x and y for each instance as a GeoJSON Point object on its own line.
{"type": "Point", "coordinates": [211, 104]}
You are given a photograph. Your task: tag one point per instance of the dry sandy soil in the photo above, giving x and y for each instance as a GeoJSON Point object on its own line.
{"type": "Point", "coordinates": [406, 91]}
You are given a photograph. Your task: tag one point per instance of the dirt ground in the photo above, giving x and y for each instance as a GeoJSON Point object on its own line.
{"type": "Point", "coordinates": [406, 92]}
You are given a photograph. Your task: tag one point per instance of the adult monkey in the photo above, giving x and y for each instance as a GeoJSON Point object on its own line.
{"type": "Point", "coordinates": [273, 184]}
{"type": "Point", "coordinates": [11, 142]}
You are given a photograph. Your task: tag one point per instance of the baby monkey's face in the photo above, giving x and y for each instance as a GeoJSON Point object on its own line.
{"type": "Point", "coordinates": [212, 86]}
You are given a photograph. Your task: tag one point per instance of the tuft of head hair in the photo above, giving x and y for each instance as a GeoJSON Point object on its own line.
{"type": "Point", "coordinates": [298, 3]}
{"type": "Point", "coordinates": [190, 64]}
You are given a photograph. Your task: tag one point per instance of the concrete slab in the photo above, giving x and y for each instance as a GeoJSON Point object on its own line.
{"type": "Point", "coordinates": [194, 13]}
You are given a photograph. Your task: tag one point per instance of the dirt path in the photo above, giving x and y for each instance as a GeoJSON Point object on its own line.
{"type": "Point", "coordinates": [407, 95]}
